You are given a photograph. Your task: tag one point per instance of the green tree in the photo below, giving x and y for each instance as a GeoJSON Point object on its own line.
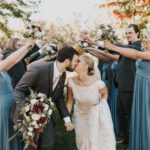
{"type": "Point", "coordinates": [21, 9]}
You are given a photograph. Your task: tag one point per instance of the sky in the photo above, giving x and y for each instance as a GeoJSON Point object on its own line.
{"type": "Point", "coordinates": [54, 10]}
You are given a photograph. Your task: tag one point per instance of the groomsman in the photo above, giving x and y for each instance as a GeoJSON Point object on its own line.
{"type": "Point", "coordinates": [125, 78]}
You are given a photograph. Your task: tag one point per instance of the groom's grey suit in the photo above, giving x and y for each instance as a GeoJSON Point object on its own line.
{"type": "Point", "coordinates": [40, 79]}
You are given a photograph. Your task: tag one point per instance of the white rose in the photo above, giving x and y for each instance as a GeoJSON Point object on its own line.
{"type": "Point", "coordinates": [30, 133]}
{"type": "Point", "coordinates": [43, 115]}
{"type": "Point", "coordinates": [85, 44]}
{"type": "Point", "coordinates": [46, 107]}
{"type": "Point", "coordinates": [50, 112]}
{"type": "Point", "coordinates": [33, 101]}
{"type": "Point", "coordinates": [27, 108]}
{"type": "Point", "coordinates": [35, 117]}
{"type": "Point", "coordinates": [30, 129]}
{"type": "Point", "coordinates": [36, 126]}
{"type": "Point", "coordinates": [99, 33]}
{"type": "Point", "coordinates": [41, 95]}
{"type": "Point", "coordinates": [41, 99]}
{"type": "Point", "coordinates": [34, 123]}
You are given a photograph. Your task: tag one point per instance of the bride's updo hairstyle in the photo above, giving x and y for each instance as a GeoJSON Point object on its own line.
{"type": "Point", "coordinates": [90, 62]}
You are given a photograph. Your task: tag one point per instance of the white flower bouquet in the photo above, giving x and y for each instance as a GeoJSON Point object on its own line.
{"type": "Point", "coordinates": [33, 32]}
{"type": "Point", "coordinates": [50, 49]}
{"type": "Point", "coordinates": [106, 32]}
{"type": "Point", "coordinates": [33, 117]}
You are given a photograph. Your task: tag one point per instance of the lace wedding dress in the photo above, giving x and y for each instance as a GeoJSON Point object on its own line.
{"type": "Point", "coordinates": [92, 118]}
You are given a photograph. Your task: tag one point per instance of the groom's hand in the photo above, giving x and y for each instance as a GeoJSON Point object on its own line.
{"type": "Point", "coordinates": [69, 126]}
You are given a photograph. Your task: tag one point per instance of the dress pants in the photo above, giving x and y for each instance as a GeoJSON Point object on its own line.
{"type": "Point", "coordinates": [124, 106]}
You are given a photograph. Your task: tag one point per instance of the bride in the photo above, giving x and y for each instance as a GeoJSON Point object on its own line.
{"type": "Point", "coordinates": [92, 118]}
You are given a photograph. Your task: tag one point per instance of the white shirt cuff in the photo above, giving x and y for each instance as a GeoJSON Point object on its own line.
{"type": "Point", "coordinates": [41, 51]}
{"type": "Point", "coordinates": [38, 44]}
{"type": "Point", "coordinates": [67, 119]}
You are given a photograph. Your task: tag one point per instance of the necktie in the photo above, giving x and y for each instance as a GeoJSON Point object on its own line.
{"type": "Point", "coordinates": [56, 79]}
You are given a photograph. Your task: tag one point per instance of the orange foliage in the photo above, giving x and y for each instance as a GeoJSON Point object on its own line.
{"type": "Point", "coordinates": [113, 4]}
{"type": "Point", "coordinates": [121, 15]}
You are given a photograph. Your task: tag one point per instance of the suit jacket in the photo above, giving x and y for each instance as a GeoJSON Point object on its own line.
{"type": "Point", "coordinates": [126, 69]}
{"type": "Point", "coordinates": [40, 79]}
{"type": "Point", "coordinates": [18, 70]}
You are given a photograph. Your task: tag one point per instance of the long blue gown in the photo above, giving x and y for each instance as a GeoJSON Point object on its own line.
{"type": "Point", "coordinates": [140, 119]}
{"type": "Point", "coordinates": [108, 76]}
{"type": "Point", "coordinates": [6, 103]}
{"type": "Point", "coordinates": [113, 100]}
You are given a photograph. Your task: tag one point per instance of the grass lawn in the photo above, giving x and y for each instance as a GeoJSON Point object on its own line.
{"type": "Point", "coordinates": [66, 141]}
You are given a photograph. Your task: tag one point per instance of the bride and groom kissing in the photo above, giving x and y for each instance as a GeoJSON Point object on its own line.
{"type": "Point", "coordinates": [91, 120]}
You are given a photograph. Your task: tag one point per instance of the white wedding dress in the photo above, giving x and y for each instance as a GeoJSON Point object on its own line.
{"type": "Point", "coordinates": [92, 118]}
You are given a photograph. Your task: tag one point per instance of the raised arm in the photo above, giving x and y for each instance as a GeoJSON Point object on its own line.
{"type": "Point", "coordinates": [110, 56]}
{"type": "Point", "coordinates": [128, 52]}
{"type": "Point", "coordinates": [14, 58]}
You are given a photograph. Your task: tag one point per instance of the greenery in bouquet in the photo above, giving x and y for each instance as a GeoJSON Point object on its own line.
{"type": "Point", "coordinates": [106, 32]}
{"type": "Point", "coordinates": [34, 32]}
{"type": "Point", "coordinates": [50, 49]}
{"type": "Point", "coordinates": [33, 117]}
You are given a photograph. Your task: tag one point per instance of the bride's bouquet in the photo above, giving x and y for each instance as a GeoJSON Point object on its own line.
{"type": "Point", "coordinates": [33, 117]}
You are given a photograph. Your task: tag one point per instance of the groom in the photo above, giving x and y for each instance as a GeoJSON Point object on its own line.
{"type": "Point", "coordinates": [48, 78]}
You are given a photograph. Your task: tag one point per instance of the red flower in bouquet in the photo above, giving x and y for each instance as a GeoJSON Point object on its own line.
{"type": "Point", "coordinates": [35, 115]}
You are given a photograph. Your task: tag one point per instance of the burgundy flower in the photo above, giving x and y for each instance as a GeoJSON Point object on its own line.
{"type": "Point", "coordinates": [41, 107]}
{"type": "Point", "coordinates": [39, 130]}
{"type": "Point", "coordinates": [38, 97]}
{"type": "Point", "coordinates": [41, 120]}
{"type": "Point", "coordinates": [35, 108]}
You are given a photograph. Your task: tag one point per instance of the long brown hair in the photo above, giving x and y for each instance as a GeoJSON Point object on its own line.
{"type": "Point", "coordinates": [10, 45]}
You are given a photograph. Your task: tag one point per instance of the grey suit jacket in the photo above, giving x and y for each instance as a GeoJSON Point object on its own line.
{"type": "Point", "coordinates": [40, 79]}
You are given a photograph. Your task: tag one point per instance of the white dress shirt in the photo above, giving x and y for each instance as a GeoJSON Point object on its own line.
{"type": "Point", "coordinates": [56, 76]}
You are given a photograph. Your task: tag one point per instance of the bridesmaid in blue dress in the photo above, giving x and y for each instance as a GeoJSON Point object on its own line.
{"type": "Point", "coordinates": [108, 76]}
{"type": "Point", "coordinates": [113, 99]}
{"type": "Point", "coordinates": [140, 118]}
{"type": "Point", "coordinates": [6, 97]}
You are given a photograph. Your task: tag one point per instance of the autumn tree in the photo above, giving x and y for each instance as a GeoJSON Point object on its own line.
{"type": "Point", "coordinates": [137, 11]}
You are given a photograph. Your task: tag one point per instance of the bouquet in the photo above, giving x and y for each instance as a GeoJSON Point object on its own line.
{"type": "Point", "coordinates": [33, 32]}
{"type": "Point", "coordinates": [105, 32]}
{"type": "Point", "coordinates": [50, 49]}
{"type": "Point", "coordinates": [33, 117]}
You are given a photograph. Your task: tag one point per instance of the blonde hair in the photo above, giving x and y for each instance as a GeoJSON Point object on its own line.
{"type": "Point", "coordinates": [90, 62]}
{"type": "Point", "coordinates": [10, 45]}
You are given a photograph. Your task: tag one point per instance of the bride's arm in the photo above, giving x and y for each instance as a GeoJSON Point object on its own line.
{"type": "Point", "coordinates": [104, 93]}
{"type": "Point", "coordinates": [69, 99]}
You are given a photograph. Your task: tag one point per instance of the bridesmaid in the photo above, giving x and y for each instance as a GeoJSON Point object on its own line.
{"type": "Point", "coordinates": [113, 99]}
{"type": "Point", "coordinates": [140, 119]}
{"type": "Point", "coordinates": [6, 96]}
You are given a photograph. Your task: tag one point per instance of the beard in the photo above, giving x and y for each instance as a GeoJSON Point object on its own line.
{"type": "Point", "coordinates": [70, 69]}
